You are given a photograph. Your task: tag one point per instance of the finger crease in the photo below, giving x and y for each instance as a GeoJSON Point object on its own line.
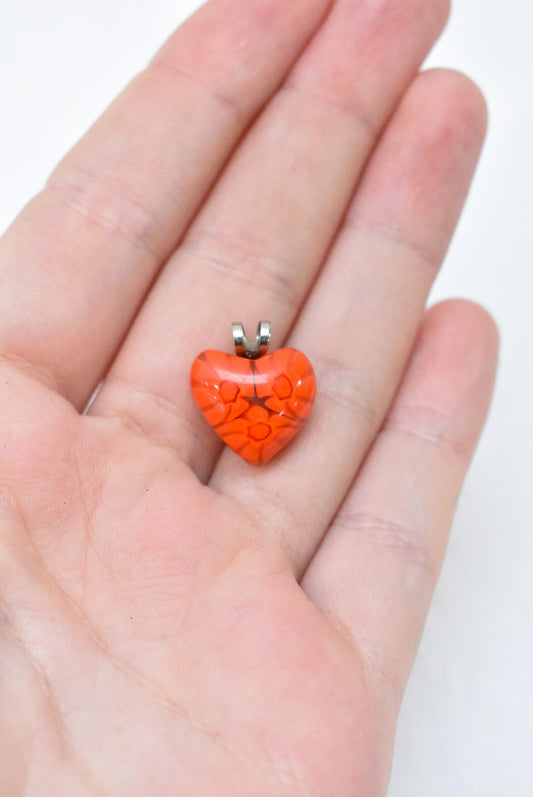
{"type": "Point", "coordinates": [150, 418]}
{"type": "Point", "coordinates": [368, 128]}
{"type": "Point", "coordinates": [375, 675]}
{"type": "Point", "coordinates": [110, 204]}
{"type": "Point", "coordinates": [269, 511]}
{"type": "Point", "coordinates": [251, 266]}
{"type": "Point", "coordinates": [337, 385]}
{"type": "Point", "coordinates": [227, 102]}
{"type": "Point", "coordinates": [384, 532]}
{"type": "Point", "coordinates": [31, 369]}
{"type": "Point", "coordinates": [397, 236]}
{"type": "Point", "coordinates": [426, 423]}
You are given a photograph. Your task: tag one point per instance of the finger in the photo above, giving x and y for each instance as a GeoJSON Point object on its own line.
{"type": "Point", "coordinates": [375, 572]}
{"type": "Point", "coordinates": [359, 323]}
{"type": "Point", "coordinates": [256, 247]}
{"type": "Point", "coordinates": [77, 262]}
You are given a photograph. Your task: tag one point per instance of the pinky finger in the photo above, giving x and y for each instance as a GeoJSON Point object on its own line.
{"type": "Point", "coordinates": [375, 572]}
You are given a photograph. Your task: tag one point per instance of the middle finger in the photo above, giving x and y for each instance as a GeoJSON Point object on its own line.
{"type": "Point", "coordinates": [259, 241]}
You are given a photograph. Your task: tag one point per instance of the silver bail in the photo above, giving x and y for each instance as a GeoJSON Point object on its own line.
{"type": "Point", "coordinates": [255, 349]}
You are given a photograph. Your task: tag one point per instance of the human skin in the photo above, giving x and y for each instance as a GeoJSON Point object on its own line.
{"type": "Point", "coordinates": [173, 620]}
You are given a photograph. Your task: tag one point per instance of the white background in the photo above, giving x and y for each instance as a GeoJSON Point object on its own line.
{"type": "Point", "coordinates": [467, 723]}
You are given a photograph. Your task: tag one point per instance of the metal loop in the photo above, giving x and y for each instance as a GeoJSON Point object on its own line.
{"type": "Point", "coordinates": [255, 349]}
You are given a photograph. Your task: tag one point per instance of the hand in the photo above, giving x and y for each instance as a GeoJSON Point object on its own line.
{"type": "Point", "coordinates": [174, 621]}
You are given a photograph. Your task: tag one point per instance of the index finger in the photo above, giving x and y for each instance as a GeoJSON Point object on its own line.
{"type": "Point", "coordinates": [75, 265]}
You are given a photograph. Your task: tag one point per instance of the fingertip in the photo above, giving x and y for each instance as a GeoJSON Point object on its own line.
{"type": "Point", "coordinates": [458, 103]}
{"type": "Point", "coordinates": [451, 371]}
{"type": "Point", "coordinates": [467, 324]}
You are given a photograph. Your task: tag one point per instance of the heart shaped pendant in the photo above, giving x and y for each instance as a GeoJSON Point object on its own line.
{"type": "Point", "coordinates": [255, 402]}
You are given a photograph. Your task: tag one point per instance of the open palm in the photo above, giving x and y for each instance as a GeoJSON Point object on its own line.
{"type": "Point", "coordinates": [172, 620]}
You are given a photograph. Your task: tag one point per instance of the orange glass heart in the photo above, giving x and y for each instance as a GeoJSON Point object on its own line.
{"type": "Point", "coordinates": [255, 406]}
